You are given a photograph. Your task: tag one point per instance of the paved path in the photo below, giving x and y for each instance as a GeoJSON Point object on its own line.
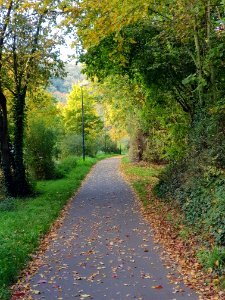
{"type": "Point", "coordinates": [104, 249]}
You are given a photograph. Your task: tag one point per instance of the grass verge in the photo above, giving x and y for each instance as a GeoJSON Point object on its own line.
{"type": "Point", "coordinates": [142, 176]}
{"type": "Point", "coordinates": [24, 221]}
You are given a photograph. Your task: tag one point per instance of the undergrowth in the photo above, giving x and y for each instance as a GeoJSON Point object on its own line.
{"type": "Point", "coordinates": [141, 176]}
{"type": "Point", "coordinates": [199, 189]}
{"type": "Point", "coordinates": [199, 208]}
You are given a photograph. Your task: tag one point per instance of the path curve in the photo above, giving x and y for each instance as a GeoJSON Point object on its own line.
{"type": "Point", "coordinates": [104, 248]}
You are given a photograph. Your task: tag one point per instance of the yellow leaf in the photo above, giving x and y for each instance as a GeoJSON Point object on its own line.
{"type": "Point", "coordinates": [210, 270]}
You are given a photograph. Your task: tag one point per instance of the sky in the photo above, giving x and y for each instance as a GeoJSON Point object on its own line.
{"type": "Point", "coordinates": [65, 51]}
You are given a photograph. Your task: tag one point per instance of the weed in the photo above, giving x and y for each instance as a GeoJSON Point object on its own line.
{"type": "Point", "coordinates": [184, 233]}
{"type": "Point", "coordinates": [212, 259]}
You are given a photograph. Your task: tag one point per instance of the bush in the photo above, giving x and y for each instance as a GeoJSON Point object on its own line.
{"type": "Point", "coordinates": [91, 147]}
{"type": "Point", "coordinates": [200, 191]}
{"type": "Point", "coordinates": [171, 180]}
{"type": "Point", "coordinates": [215, 219]}
{"type": "Point", "coordinates": [40, 143]}
{"type": "Point", "coordinates": [66, 165]}
{"type": "Point", "coordinates": [71, 144]}
{"type": "Point", "coordinates": [107, 145]}
{"type": "Point", "coordinates": [199, 188]}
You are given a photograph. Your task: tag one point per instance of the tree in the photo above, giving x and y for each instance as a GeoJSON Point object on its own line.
{"type": "Point", "coordinates": [150, 117]}
{"type": "Point", "coordinates": [195, 27]}
{"type": "Point", "coordinates": [27, 58]}
{"type": "Point", "coordinates": [72, 115]}
{"type": "Point", "coordinates": [177, 46]}
{"type": "Point", "coordinates": [4, 136]}
{"type": "Point", "coordinates": [60, 87]}
{"type": "Point", "coordinates": [176, 49]}
{"type": "Point", "coordinates": [43, 133]}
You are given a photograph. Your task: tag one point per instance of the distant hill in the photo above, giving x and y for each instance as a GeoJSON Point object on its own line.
{"type": "Point", "coordinates": [60, 87]}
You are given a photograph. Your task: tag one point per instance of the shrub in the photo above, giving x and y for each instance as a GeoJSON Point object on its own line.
{"type": "Point", "coordinates": [199, 188]}
{"type": "Point", "coordinates": [40, 143]}
{"type": "Point", "coordinates": [71, 144]}
{"type": "Point", "coordinates": [66, 165]}
{"type": "Point", "coordinates": [215, 219]}
{"type": "Point", "coordinates": [106, 145]}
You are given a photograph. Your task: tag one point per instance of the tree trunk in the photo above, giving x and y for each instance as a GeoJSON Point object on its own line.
{"type": "Point", "coordinates": [199, 64]}
{"type": "Point", "coordinates": [209, 39]}
{"type": "Point", "coordinates": [4, 146]}
{"type": "Point", "coordinates": [21, 185]}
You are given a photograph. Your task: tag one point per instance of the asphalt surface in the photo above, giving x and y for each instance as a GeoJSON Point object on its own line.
{"type": "Point", "coordinates": [104, 249]}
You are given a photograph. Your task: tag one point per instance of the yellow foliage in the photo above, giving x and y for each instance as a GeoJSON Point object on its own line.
{"type": "Point", "coordinates": [103, 18]}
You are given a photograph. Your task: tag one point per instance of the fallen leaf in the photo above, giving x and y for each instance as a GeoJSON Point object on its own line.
{"type": "Point", "coordinates": [157, 287]}
{"type": "Point", "coordinates": [42, 281]}
{"type": "Point", "coordinates": [146, 276]}
{"type": "Point", "coordinates": [36, 292]}
{"type": "Point", "coordinates": [85, 296]}
{"type": "Point", "coordinates": [19, 294]}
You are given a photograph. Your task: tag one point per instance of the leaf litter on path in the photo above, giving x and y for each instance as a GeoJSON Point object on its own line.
{"type": "Point", "coordinates": [177, 253]}
{"type": "Point", "coordinates": [103, 241]}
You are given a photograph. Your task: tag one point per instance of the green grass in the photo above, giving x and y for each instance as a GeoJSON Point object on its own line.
{"type": "Point", "coordinates": [213, 259]}
{"type": "Point", "coordinates": [143, 171]}
{"type": "Point", "coordinates": [140, 177]}
{"type": "Point", "coordinates": [24, 221]}
{"type": "Point", "coordinates": [141, 188]}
